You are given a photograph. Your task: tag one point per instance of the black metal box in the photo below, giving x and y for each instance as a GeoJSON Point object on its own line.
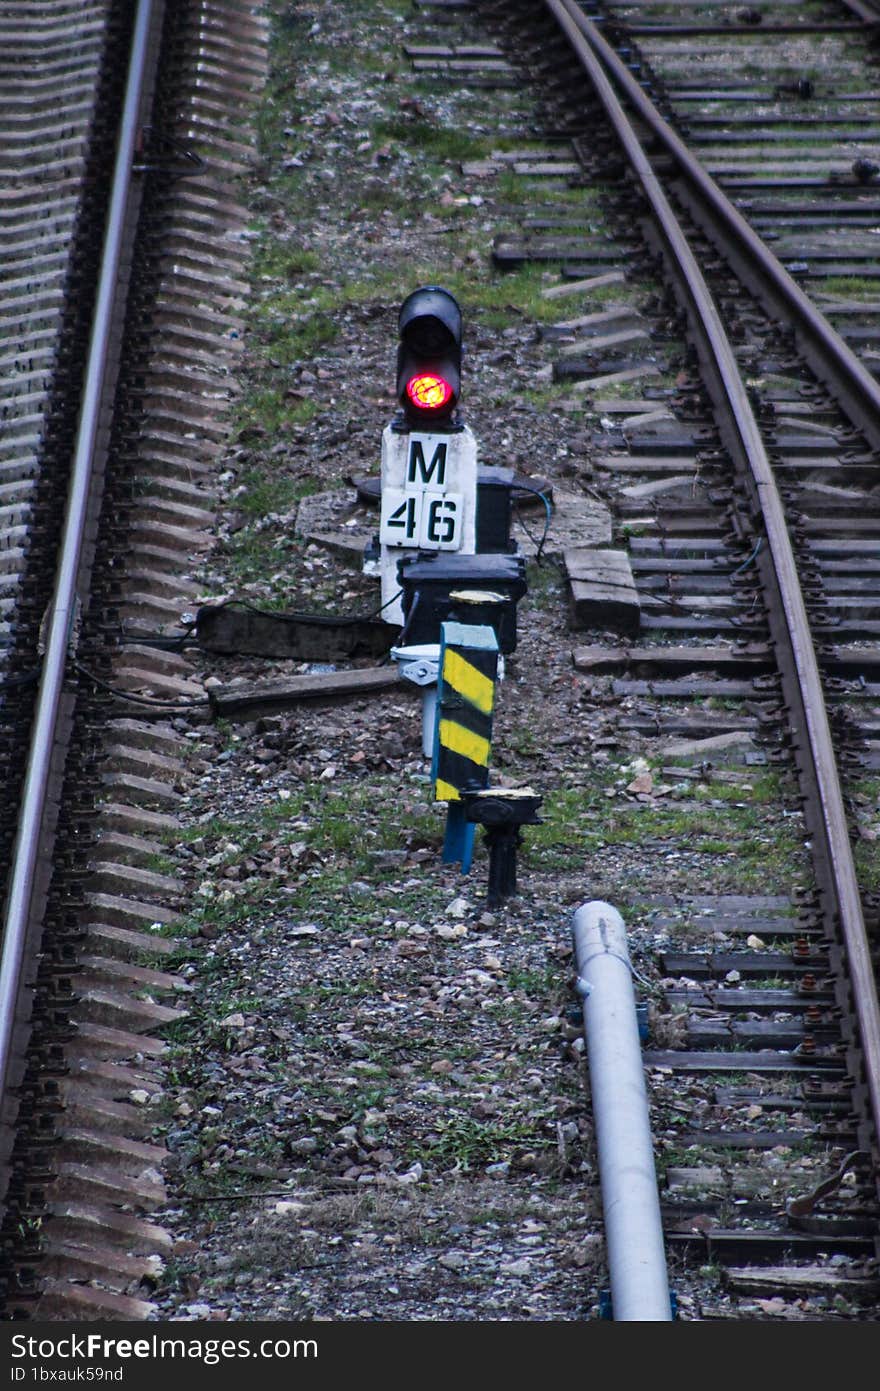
{"type": "Point", "coordinates": [469, 588]}
{"type": "Point", "coordinates": [494, 488]}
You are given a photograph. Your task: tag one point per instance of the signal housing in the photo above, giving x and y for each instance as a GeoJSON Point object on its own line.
{"type": "Point", "coordinates": [429, 357]}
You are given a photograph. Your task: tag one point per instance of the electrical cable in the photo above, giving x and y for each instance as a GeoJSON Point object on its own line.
{"type": "Point", "coordinates": [151, 701]}
{"type": "Point", "coordinates": [298, 617]}
{"type": "Point", "coordinates": [401, 641]}
{"type": "Point", "coordinates": [548, 509]}
{"type": "Point", "coordinates": [185, 639]}
{"type": "Point", "coordinates": [27, 678]}
{"type": "Point", "coordinates": [750, 559]}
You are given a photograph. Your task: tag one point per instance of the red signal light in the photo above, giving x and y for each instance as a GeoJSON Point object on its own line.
{"type": "Point", "coordinates": [428, 391]}
{"type": "Point", "coordinates": [429, 358]}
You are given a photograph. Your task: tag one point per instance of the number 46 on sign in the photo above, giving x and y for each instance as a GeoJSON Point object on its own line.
{"type": "Point", "coordinates": [426, 520]}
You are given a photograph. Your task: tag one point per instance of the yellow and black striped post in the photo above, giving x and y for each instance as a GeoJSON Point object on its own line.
{"type": "Point", "coordinates": [466, 680]}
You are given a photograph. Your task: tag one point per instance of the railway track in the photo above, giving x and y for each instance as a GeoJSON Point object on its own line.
{"type": "Point", "coordinates": [83, 985]}
{"type": "Point", "coordinates": [809, 482]}
{"type": "Point", "coordinates": [763, 1038]}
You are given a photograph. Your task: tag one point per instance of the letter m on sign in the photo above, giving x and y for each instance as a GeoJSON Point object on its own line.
{"type": "Point", "coordinates": [421, 473]}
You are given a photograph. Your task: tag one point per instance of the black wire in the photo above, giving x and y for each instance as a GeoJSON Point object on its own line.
{"type": "Point", "coordinates": [182, 705]}
{"type": "Point", "coordinates": [296, 617]}
{"type": "Point", "coordinates": [401, 641]}
{"type": "Point", "coordinates": [186, 639]}
{"type": "Point", "coordinates": [27, 678]}
{"type": "Point", "coordinates": [750, 560]}
{"type": "Point", "coordinates": [548, 512]}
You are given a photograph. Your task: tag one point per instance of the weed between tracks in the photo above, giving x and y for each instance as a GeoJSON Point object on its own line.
{"type": "Point", "coordinates": [367, 1043]}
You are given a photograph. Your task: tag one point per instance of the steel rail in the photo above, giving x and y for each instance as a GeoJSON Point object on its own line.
{"type": "Point", "coordinates": [700, 28]}
{"type": "Point", "coordinates": [45, 753]}
{"type": "Point", "coordinates": [742, 436]}
{"type": "Point", "coordinates": [866, 11]}
{"type": "Point", "coordinates": [833, 361]}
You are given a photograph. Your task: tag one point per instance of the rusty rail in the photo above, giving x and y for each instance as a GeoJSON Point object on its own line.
{"type": "Point", "coordinates": [833, 361]}
{"type": "Point", "coordinates": [859, 395]}
{"type": "Point", "coordinates": [48, 739]}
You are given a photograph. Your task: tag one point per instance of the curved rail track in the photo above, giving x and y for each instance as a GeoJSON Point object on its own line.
{"type": "Point", "coordinates": [785, 414]}
{"type": "Point", "coordinates": [856, 391]}
{"type": "Point", "coordinates": [670, 174]}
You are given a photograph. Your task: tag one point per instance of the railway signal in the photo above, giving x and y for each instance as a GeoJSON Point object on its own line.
{"type": "Point", "coordinates": [429, 458]}
{"type": "Point", "coordinates": [429, 357]}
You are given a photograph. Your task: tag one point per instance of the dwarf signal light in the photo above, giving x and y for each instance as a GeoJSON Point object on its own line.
{"type": "Point", "coordinates": [428, 392]}
{"type": "Point", "coordinates": [429, 356]}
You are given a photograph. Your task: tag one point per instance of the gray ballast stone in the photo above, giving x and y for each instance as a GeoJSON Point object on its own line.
{"type": "Point", "coordinates": [603, 592]}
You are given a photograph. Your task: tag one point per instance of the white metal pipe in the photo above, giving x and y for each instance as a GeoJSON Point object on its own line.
{"type": "Point", "coordinates": [419, 663]}
{"type": "Point", "coordinates": [429, 719]}
{"type": "Point", "coordinates": [633, 1230]}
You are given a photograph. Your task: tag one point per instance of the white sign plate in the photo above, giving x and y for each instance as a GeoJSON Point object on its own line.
{"type": "Point", "coordinates": [429, 497]}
